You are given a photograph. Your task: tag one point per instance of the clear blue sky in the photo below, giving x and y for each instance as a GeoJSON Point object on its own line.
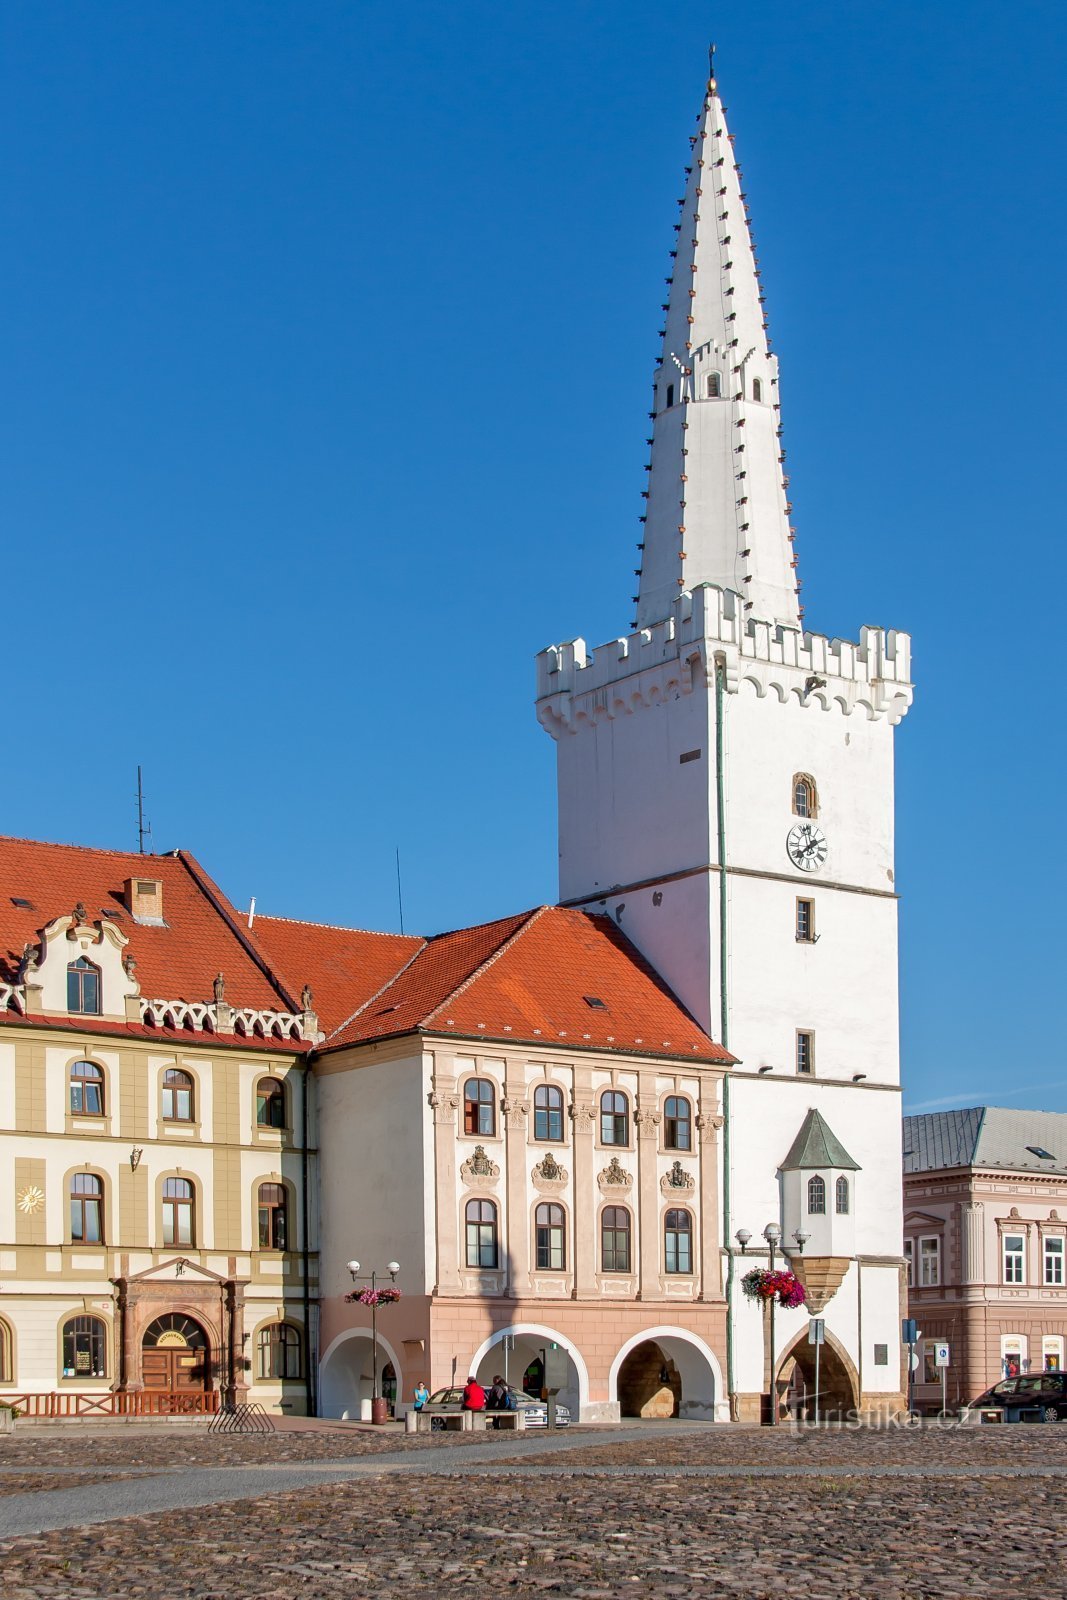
{"type": "Point", "coordinates": [329, 331]}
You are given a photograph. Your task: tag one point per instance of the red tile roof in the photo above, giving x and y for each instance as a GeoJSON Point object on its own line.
{"type": "Point", "coordinates": [344, 966]}
{"type": "Point", "coordinates": [175, 962]}
{"type": "Point", "coordinates": [549, 976]}
{"type": "Point", "coordinates": [535, 978]}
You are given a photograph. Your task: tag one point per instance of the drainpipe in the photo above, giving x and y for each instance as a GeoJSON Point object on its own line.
{"type": "Point", "coordinates": [309, 1389]}
{"type": "Point", "coordinates": [724, 1029]}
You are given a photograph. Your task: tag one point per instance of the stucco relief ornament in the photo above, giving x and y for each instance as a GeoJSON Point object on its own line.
{"type": "Point", "coordinates": [548, 1175]}
{"type": "Point", "coordinates": [709, 1126]}
{"type": "Point", "coordinates": [615, 1176]}
{"type": "Point", "coordinates": [582, 1115]}
{"type": "Point", "coordinates": [479, 1167]}
{"type": "Point", "coordinates": [30, 1199]}
{"type": "Point", "coordinates": [677, 1178]}
{"type": "Point", "coordinates": [647, 1123]}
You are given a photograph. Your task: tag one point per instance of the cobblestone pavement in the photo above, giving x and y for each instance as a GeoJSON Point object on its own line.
{"type": "Point", "coordinates": [974, 1518]}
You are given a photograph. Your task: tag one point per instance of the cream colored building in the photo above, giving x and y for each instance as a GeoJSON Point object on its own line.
{"type": "Point", "coordinates": [155, 1146]}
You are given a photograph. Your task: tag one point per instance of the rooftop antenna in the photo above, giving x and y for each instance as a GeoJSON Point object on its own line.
{"type": "Point", "coordinates": [144, 829]}
{"type": "Point", "coordinates": [399, 890]}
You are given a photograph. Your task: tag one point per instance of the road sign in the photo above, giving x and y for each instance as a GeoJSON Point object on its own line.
{"type": "Point", "coordinates": [508, 1341]}
{"type": "Point", "coordinates": [909, 1331]}
{"type": "Point", "coordinates": [816, 1331]}
{"type": "Point", "coordinates": [941, 1355]}
{"type": "Point", "coordinates": [914, 1361]}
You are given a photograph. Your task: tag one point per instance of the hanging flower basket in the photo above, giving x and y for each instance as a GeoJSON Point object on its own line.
{"type": "Point", "coordinates": [761, 1285]}
{"type": "Point", "coordinates": [374, 1297]}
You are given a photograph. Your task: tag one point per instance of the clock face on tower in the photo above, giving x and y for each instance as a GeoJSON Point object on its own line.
{"type": "Point", "coordinates": [806, 846]}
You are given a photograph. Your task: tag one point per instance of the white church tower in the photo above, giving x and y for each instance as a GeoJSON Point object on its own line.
{"type": "Point", "coordinates": [725, 787]}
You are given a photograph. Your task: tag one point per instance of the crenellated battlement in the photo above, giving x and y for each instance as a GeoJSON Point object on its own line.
{"type": "Point", "coordinates": [708, 625]}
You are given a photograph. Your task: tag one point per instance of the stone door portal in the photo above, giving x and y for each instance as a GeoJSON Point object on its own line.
{"type": "Point", "coordinates": [174, 1355]}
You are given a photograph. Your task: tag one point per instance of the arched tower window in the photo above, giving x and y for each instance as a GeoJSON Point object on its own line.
{"type": "Point", "coordinates": [714, 385]}
{"type": "Point", "coordinates": [670, 395]}
{"type": "Point", "coordinates": [816, 1197]}
{"type": "Point", "coordinates": [805, 796]}
{"type": "Point", "coordinates": [842, 1197]}
{"type": "Point", "coordinates": [757, 389]}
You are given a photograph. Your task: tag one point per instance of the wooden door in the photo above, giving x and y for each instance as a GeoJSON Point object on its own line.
{"type": "Point", "coordinates": [174, 1369]}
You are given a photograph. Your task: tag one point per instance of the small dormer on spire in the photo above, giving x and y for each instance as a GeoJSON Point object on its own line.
{"type": "Point", "coordinates": [717, 498]}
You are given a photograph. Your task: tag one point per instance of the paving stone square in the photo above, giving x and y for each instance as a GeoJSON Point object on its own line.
{"type": "Point", "coordinates": [594, 1515]}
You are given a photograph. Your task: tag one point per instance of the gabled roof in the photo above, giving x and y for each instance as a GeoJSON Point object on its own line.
{"type": "Point", "coordinates": [986, 1136]}
{"type": "Point", "coordinates": [547, 976]}
{"type": "Point", "coordinates": [550, 976]}
{"type": "Point", "coordinates": [200, 937]}
{"type": "Point", "coordinates": [817, 1146]}
{"type": "Point", "coordinates": [344, 966]}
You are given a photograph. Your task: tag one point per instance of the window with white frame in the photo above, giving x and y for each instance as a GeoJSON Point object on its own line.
{"type": "Point", "coordinates": [909, 1260]}
{"type": "Point", "coordinates": [1013, 1248]}
{"type": "Point", "coordinates": [929, 1263]}
{"type": "Point", "coordinates": [1052, 1352]}
{"type": "Point", "coordinates": [1053, 1254]}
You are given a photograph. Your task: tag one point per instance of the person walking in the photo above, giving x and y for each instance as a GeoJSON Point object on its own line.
{"type": "Point", "coordinates": [473, 1395]}
{"type": "Point", "coordinates": [422, 1394]}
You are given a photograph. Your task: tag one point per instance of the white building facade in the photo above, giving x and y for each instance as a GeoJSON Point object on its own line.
{"type": "Point", "coordinates": [725, 785]}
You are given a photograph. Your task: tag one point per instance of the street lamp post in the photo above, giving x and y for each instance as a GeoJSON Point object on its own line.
{"type": "Point", "coordinates": [772, 1233]}
{"type": "Point", "coordinates": [372, 1279]}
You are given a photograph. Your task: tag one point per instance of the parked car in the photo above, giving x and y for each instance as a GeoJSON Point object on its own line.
{"type": "Point", "coordinates": [444, 1400]}
{"type": "Point", "coordinates": [1045, 1390]}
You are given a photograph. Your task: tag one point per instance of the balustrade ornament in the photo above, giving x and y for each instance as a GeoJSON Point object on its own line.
{"type": "Point", "coordinates": [615, 1176]}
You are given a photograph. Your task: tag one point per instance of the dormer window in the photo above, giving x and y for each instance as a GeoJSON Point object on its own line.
{"type": "Point", "coordinates": [714, 385]}
{"type": "Point", "coordinates": [83, 988]}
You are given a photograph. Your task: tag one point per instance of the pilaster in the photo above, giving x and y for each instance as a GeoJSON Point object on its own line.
{"type": "Point", "coordinates": [708, 1126]}
{"type": "Point", "coordinates": [515, 1109]}
{"type": "Point", "coordinates": [647, 1127]}
{"type": "Point", "coordinates": [583, 1121]}
{"type": "Point", "coordinates": [444, 1102]}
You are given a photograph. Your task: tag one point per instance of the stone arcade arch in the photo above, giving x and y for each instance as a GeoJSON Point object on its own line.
{"type": "Point", "coordinates": [693, 1372]}
{"type": "Point", "coordinates": [530, 1339]}
{"type": "Point", "coordinates": [838, 1379]}
{"type": "Point", "coordinates": [346, 1376]}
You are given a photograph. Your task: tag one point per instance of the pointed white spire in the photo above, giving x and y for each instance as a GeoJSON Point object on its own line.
{"type": "Point", "coordinates": [717, 509]}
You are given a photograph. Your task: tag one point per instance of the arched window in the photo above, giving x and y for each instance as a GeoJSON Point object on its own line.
{"type": "Point", "coordinates": [678, 1241]}
{"type": "Point", "coordinates": [548, 1112]}
{"type": "Point", "coordinates": [479, 1107]}
{"type": "Point", "coordinates": [805, 797]}
{"type": "Point", "coordinates": [480, 1218]}
{"type": "Point", "coordinates": [177, 1096]}
{"type": "Point", "coordinates": [614, 1118]}
{"type": "Point", "coordinates": [86, 1089]}
{"type": "Point", "coordinates": [550, 1251]}
{"type": "Point", "coordinates": [757, 389]}
{"type": "Point", "coordinates": [842, 1197]}
{"type": "Point", "coordinates": [677, 1123]}
{"type": "Point", "coordinates": [178, 1203]}
{"type": "Point", "coordinates": [278, 1351]}
{"type": "Point", "coordinates": [273, 1207]}
{"type": "Point", "coordinates": [84, 1348]}
{"type": "Point", "coordinates": [6, 1361]}
{"type": "Point", "coordinates": [83, 987]}
{"type": "Point", "coordinates": [615, 1239]}
{"type": "Point", "coordinates": [86, 1209]}
{"type": "Point", "coordinates": [670, 395]}
{"type": "Point", "coordinates": [816, 1197]}
{"type": "Point", "coordinates": [270, 1103]}
{"type": "Point", "coordinates": [714, 385]}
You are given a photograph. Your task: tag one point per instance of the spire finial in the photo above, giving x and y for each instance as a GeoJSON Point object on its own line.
{"type": "Point", "coordinates": [711, 66]}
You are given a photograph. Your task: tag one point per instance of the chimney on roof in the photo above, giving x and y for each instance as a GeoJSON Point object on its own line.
{"type": "Point", "coordinates": [144, 900]}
